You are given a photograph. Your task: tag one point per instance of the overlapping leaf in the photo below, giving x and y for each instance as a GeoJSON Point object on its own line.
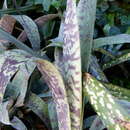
{"type": "Point", "coordinates": [72, 64]}
{"type": "Point", "coordinates": [116, 61]}
{"type": "Point", "coordinates": [10, 62]}
{"type": "Point", "coordinates": [31, 30]}
{"type": "Point", "coordinates": [39, 107]}
{"type": "Point", "coordinates": [6, 36]}
{"type": "Point", "coordinates": [21, 80]}
{"type": "Point", "coordinates": [54, 80]}
{"type": "Point", "coordinates": [53, 115]}
{"type": "Point", "coordinates": [40, 22]}
{"type": "Point", "coordinates": [112, 114]}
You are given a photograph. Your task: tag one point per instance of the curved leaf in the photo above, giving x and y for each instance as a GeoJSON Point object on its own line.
{"type": "Point", "coordinates": [31, 30]}
{"type": "Point", "coordinates": [6, 36]}
{"type": "Point", "coordinates": [18, 124]}
{"type": "Point", "coordinates": [21, 80]}
{"type": "Point", "coordinates": [116, 61]}
{"type": "Point", "coordinates": [117, 91]}
{"type": "Point", "coordinates": [53, 115]}
{"type": "Point", "coordinates": [39, 107]}
{"type": "Point", "coordinates": [118, 39]}
{"type": "Point", "coordinates": [112, 114]}
{"type": "Point", "coordinates": [72, 64]}
{"type": "Point", "coordinates": [54, 80]}
{"type": "Point", "coordinates": [40, 22]}
{"type": "Point", "coordinates": [10, 62]}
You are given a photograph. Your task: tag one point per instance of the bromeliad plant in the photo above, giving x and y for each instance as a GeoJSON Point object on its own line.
{"type": "Point", "coordinates": [68, 78]}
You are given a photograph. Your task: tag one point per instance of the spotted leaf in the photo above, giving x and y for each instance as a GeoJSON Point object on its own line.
{"type": "Point", "coordinates": [112, 114]}
{"type": "Point", "coordinates": [31, 30]}
{"type": "Point", "coordinates": [54, 80]}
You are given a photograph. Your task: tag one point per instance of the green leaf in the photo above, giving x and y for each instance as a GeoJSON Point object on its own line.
{"type": "Point", "coordinates": [86, 17]}
{"type": "Point", "coordinates": [46, 4]}
{"type": "Point", "coordinates": [117, 39]}
{"type": "Point", "coordinates": [10, 62]}
{"type": "Point", "coordinates": [39, 107]}
{"type": "Point", "coordinates": [31, 30]}
{"type": "Point", "coordinates": [9, 65]}
{"type": "Point", "coordinates": [111, 113]}
{"type": "Point", "coordinates": [6, 36]}
{"type": "Point", "coordinates": [72, 64]}
{"type": "Point", "coordinates": [47, 29]}
{"type": "Point", "coordinates": [40, 21]}
{"type": "Point", "coordinates": [117, 91]}
{"type": "Point", "coordinates": [116, 61]}
{"type": "Point", "coordinates": [55, 82]}
{"type": "Point", "coordinates": [21, 80]}
{"type": "Point", "coordinates": [53, 115]}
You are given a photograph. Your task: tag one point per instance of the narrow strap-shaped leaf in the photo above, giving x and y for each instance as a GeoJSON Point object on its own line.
{"type": "Point", "coordinates": [116, 61]}
{"type": "Point", "coordinates": [55, 82]}
{"type": "Point", "coordinates": [95, 70]}
{"type": "Point", "coordinates": [86, 17]}
{"type": "Point", "coordinates": [18, 124]}
{"type": "Point", "coordinates": [39, 107]}
{"type": "Point", "coordinates": [21, 80]}
{"type": "Point", "coordinates": [97, 124]}
{"type": "Point", "coordinates": [9, 64]}
{"type": "Point", "coordinates": [7, 24]}
{"type": "Point", "coordinates": [117, 91]}
{"type": "Point", "coordinates": [53, 115]}
{"type": "Point", "coordinates": [117, 39]}
{"type": "Point", "coordinates": [72, 64]}
{"type": "Point", "coordinates": [111, 113]}
{"type": "Point", "coordinates": [4, 116]}
{"type": "Point", "coordinates": [31, 30]}
{"type": "Point", "coordinates": [40, 22]}
{"type": "Point", "coordinates": [6, 36]}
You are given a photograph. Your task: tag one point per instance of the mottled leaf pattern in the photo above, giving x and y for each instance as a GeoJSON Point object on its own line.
{"type": "Point", "coordinates": [54, 80]}
{"type": "Point", "coordinates": [6, 36]}
{"type": "Point", "coordinates": [112, 114]}
{"type": "Point", "coordinates": [39, 107]}
{"type": "Point", "coordinates": [86, 17]}
{"type": "Point", "coordinates": [10, 62]}
{"type": "Point", "coordinates": [40, 22]}
{"type": "Point", "coordinates": [8, 67]}
{"type": "Point", "coordinates": [72, 64]}
{"type": "Point", "coordinates": [116, 61]}
{"type": "Point", "coordinates": [21, 80]}
{"type": "Point", "coordinates": [30, 29]}
{"type": "Point", "coordinates": [53, 115]}
{"type": "Point", "coordinates": [118, 39]}
{"type": "Point", "coordinates": [117, 91]}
